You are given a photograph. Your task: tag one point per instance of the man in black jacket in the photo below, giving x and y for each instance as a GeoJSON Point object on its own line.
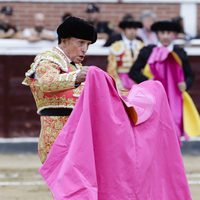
{"type": "Point", "coordinates": [103, 28]}
{"type": "Point", "coordinates": [7, 30]}
{"type": "Point", "coordinates": [166, 31]}
{"type": "Point", "coordinates": [168, 64]}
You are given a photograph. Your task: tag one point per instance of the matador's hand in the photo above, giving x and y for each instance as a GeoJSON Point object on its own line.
{"type": "Point", "coordinates": [82, 75]}
{"type": "Point", "coordinates": [182, 86]}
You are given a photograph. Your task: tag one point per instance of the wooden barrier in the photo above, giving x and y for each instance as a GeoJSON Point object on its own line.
{"type": "Point", "coordinates": [18, 116]}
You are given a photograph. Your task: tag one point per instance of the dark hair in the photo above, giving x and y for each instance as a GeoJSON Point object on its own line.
{"type": "Point", "coordinates": [66, 15]}
{"type": "Point", "coordinates": [179, 21]}
{"type": "Point", "coordinates": [91, 8]}
{"type": "Point", "coordinates": [127, 17]}
{"type": "Point", "coordinates": [7, 10]}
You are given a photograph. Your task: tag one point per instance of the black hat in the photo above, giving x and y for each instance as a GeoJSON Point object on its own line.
{"type": "Point", "coordinates": [7, 10]}
{"type": "Point", "coordinates": [130, 24]}
{"type": "Point", "coordinates": [78, 28]}
{"type": "Point", "coordinates": [127, 17]}
{"type": "Point", "coordinates": [166, 26]}
{"type": "Point", "coordinates": [91, 8]}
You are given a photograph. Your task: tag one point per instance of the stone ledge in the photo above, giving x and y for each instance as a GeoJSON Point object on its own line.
{"type": "Point", "coordinates": [29, 145]}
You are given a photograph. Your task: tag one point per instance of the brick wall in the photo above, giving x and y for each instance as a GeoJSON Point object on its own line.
{"type": "Point", "coordinates": [23, 12]}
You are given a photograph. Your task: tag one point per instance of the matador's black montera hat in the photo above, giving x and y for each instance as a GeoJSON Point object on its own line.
{"type": "Point", "coordinates": [166, 26]}
{"type": "Point", "coordinates": [130, 23]}
{"type": "Point", "coordinates": [78, 28]}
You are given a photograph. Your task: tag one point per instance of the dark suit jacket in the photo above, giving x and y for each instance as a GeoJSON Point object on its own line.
{"type": "Point", "coordinates": [136, 70]}
{"type": "Point", "coordinates": [102, 27]}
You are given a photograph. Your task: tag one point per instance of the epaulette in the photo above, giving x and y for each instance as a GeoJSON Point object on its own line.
{"type": "Point", "coordinates": [52, 56]}
{"type": "Point", "coordinates": [139, 44]}
{"type": "Point", "coordinates": [117, 48]}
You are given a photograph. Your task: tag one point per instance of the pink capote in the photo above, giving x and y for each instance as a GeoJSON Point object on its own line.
{"type": "Point", "coordinates": [166, 69]}
{"type": "Point", "coordinates": [101, 155]}
{"type": "Point", "coordinates": [126, 81]}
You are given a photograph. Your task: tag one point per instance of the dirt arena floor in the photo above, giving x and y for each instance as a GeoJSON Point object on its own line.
{"type": "Point", "coordinates": [20, 180]}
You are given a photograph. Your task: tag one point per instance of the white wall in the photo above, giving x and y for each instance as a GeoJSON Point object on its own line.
{"type": "Point", "coordinates": [189, 13]}
{"type": "Point", "coordinates": [110, 1]}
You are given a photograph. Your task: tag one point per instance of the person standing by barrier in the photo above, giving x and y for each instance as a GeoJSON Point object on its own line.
{"type": "Point", "coordinates": [7, 29]}
{"type": "Point", "coordinates": [169, 64]}
{"type": "Point", "coordinates": [123, 54]}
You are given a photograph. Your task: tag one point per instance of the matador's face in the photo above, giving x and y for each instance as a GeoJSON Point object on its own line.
{"type": "Point", "coordinates": [130, 33]}
{"type": "Point", "coordinates": [166, 37]}
{"type": "Point", "coordinates": [75, 48]}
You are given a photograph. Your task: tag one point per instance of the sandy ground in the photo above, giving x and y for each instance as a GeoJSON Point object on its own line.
{"type": "Point", "coordinates": [20, 180]}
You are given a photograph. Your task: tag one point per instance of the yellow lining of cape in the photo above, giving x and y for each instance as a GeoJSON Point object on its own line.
{"type": "Point", "coordinates": [191, 118]}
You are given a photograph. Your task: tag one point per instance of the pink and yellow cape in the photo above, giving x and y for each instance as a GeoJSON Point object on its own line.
{"type": "Point", "coordinates": [166, 67]}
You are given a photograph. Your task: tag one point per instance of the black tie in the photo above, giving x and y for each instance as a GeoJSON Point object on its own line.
{"type": "Point", "coordinates": [131, 49]}
{"type": "Point", "coordinates": [73, 63]}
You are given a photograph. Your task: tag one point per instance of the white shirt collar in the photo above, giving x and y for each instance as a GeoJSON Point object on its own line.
{"type": "Point", "coordinates": [127, 42]}
{"type": "Point", "coordinates": [169, 47]}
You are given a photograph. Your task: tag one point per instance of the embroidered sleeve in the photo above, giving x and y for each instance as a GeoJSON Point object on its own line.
{"type": "Point", "coordinates": [50, 79]}
{"type": "Point", "coordinates": [112, 70]}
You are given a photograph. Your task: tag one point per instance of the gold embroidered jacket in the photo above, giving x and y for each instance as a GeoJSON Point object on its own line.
{"type": "Point", "coordinates": [120, 59]}
{"type": "Point", "coordinates": [52, 80]}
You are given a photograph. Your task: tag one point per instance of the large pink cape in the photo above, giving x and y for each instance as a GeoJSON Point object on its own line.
{"type": "Point", "coordinates": [127, 82]}
{"type": "Point", "coordinates": [101, 155]}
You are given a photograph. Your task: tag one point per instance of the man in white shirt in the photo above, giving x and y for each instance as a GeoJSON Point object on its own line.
{"type": "Point", "coordinates": [145, 33]}
{"type": "Point", "coordinates": [38, 31]}
{"type": "Point", "coordinates": [123, 54]}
